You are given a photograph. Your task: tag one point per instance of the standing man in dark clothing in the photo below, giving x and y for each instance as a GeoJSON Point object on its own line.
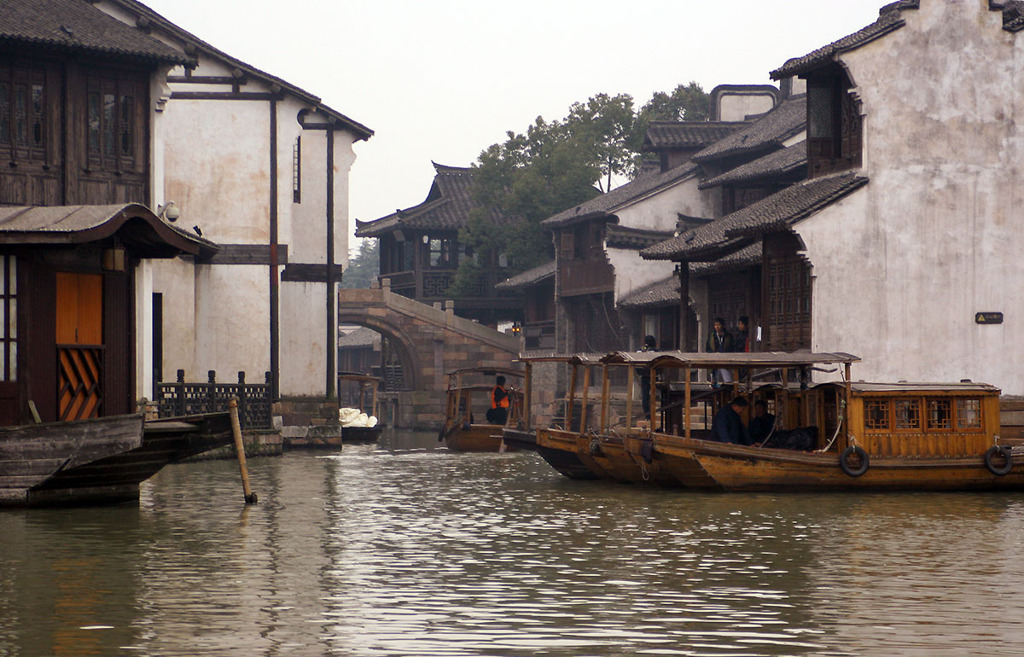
{"type": "Point", "coordinates": [727, 427]}
{"type": "Point", "coordinates": [743, 334]}
{"type": "Point", "coordinates": [720, 341]}
{"type": "Point", "coordinates": [761, 424]}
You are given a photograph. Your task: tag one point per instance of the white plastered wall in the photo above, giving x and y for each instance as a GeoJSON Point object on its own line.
{"type": "Point", "coordinates": [656, 212]}
{"type": "Point", "coordinates": [902, 266]}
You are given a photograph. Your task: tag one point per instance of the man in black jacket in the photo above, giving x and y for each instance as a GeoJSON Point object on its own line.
{"type": "Point", "coordinates": [727, 427]}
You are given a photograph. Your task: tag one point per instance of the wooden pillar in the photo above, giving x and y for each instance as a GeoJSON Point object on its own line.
{"type": "Point", "coordinates": [686, 400]}
{"type": "Point", "coordinates": [605, 403]}
{"type": "Point", "coordinates": [583, 398]}
{"type": "Point", "coordinates": [527, 398]}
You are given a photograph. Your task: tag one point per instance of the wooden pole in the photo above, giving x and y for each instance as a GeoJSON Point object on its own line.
{"type": "Point", "coordinates": [629, 398]}
{"type": "Point", "coordinates": [583, 398]}
{"type": "Point", "coordinates": [687, 402]}
{"type": "Point", "coordinates": [572, 396]}
{"type": "Point", "coordinates": [236, 429]}
{"type": "Point", "coordinates": [527, 397]}
{"type": "Point", "coordinates": [604, 399]}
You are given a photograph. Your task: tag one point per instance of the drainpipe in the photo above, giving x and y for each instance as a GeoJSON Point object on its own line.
{"type": "Point", "coordinates": [332, 329]}
{"type": "Point", "coordinates": [275, 343]}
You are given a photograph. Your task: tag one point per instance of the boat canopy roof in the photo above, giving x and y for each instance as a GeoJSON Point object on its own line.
{"type": "Point", "coordinates": [712, 360]}
{"type": "Point", "coordinates": [487, 371]}
{"type": "Point", "coordinates": [352, 376]}
{"type": "Point", "coordinates": [553, 357]}
{"type": "Point", "coordinates": [964, 387]}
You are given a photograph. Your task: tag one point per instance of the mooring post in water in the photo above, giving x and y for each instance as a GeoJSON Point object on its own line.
{"type": "Point", "coordinates": [236, 429]}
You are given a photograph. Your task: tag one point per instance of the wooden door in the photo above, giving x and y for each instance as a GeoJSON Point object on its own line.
{"type": "Point", "coordinates": [79, 345]}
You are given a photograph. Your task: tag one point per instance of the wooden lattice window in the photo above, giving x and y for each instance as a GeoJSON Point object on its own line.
{"type": "Point", "coordinates": [297, 170]}
{"type": "Point", "coordinates": [968, 414]}
{"type": "Point", "coordinates": [8, 318]}
{"type": "Point", "coordinates": [23, 102]}
{"type": "Point", "coordinates": [940, 414]}
{"type": "Point", "coordinates": [876, 415]}
{"type": "Point", "coordinates": [907, 414]}
{"type": "Point", "coordinates": [112, 108]}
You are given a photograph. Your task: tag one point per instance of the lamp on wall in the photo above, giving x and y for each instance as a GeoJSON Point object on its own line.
{"type": "Point", "coordinates": [113, 258]}
{"type": "Point", "coordinates": [170, 211]}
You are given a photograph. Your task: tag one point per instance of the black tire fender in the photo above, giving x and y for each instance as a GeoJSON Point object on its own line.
{"type": "Point", "coordinates": [848, 469]}
{"type": "Point", "coordinates": [991, 455]}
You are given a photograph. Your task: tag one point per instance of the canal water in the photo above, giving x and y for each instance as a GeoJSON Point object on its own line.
{"type": "Point", "coordinates": [404, 548]}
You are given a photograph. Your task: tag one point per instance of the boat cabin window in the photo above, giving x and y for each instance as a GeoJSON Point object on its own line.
{"type": "Point", "coordinates": [968, 413]}
{"type": "Point", "coordinates": [940, 414]}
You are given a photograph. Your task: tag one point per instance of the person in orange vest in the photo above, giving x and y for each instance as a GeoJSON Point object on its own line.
{"type": "Point", "coordinates": [498, 413]}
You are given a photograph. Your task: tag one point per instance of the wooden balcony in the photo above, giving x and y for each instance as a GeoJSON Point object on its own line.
{"type": "Point", "coordinates": [577, 277]}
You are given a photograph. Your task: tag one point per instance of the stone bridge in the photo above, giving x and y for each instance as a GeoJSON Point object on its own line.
{"type": "Point", "coordinates": [430, 342]}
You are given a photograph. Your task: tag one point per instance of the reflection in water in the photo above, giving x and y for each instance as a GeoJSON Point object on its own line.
{"type": "Point", "coordinates": [406, 549]}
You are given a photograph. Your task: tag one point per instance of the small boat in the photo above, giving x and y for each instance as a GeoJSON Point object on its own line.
{"type": "Point", "coordinates": [368, 387]}
{"type": "Point", "coordinates": [98, 460]}
{"type": "Point", "coordinates": [469, 399]}
{"type": "Point", "coordinates": [833, 435]}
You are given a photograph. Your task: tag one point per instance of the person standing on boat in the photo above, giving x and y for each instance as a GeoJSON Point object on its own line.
{"type": "Point", "coordinates": [650, 344]}
{"type": "Point", "coordinates": [498, 413]}
{"type": "Point", "coordinates": [761, 424]}
{"type": "Point", "coordinates": [720, 341]}
{"type": "Point", "coordinates": [727, 427]}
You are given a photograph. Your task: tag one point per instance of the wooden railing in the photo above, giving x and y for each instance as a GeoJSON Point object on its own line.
{"type": "Point", "coordinates": [183, 398]}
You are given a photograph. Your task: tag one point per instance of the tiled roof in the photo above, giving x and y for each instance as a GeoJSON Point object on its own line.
{"type": "Point", "coordinates": [766, 133]}
{"type": "Point", "coordinates": [446, 207]}
{"type": "Point", "coordinates": [687, 134]}
{"type": "Point", "coordinates": [733, 231]}
{"type": "Point", "coordinates": [360, 337]}
{"type": "Point", "coordinates": [622, 196]}
{"type": "Point", "coordinates": [528, 277]}
{"type": "Point", "coordinates": [625, 237]}
{"type": "Point", "coordinates": [748, 256]}
{"type": "Point", "coordinates": [660, 293]}
{"type": "Point", "coordinates": [780, 162]}
{"type": "Point", "coordinates": [889, 20]}
{"type": "Point", "coordinates": [192, 41]}
{"type": "Point", "coordinates": [82, 224]}
{"type": "Point", "coordinates": [1013, 16]}
{"type": "Point", "coordinates": [74, 25]}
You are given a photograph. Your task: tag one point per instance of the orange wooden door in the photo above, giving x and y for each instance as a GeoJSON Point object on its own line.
{"type": "Point", "coordinates": [79, 345]}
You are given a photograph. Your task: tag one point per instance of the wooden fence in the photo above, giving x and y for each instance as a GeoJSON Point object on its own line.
{"type": "Point", "coordinates": [182, 398]}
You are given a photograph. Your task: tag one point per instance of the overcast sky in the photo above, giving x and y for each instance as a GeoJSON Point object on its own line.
{"type": "Point", "coordinates": [443, 79]}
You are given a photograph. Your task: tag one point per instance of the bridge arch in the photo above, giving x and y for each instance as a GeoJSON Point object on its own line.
{"type": "Point", "coordinates": [398, 339]}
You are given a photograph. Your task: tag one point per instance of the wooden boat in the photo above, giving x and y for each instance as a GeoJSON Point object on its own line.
{"type": "Point", "coordinates": [866, 436]}
{"type": "Point", "coordinates": [368, 388]}
{"type": "Point", "coordinates": [557, 444]}
{"type": "Point", "coordinates": [469, 399]}
{"type": "Point", "coordinates": [99, 460]}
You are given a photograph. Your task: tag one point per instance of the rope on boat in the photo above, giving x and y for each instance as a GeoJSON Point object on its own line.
{"type": "Point", "coordinates": [839, 426]}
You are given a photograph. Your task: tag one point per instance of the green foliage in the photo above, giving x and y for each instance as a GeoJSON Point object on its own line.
{"type": "Point", "coordinates": [362, 269]}
{"type": "Point", "coordinates": [556, 165]}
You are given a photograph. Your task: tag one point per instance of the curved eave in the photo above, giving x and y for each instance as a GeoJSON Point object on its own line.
{"type": "Point", "coordinates": [135, 225]}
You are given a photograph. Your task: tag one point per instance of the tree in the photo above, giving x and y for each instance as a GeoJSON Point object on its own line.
{"type": "Point", "coordinates": [555, 165]}
{"type": "Point", "coordinates": [362, 268]}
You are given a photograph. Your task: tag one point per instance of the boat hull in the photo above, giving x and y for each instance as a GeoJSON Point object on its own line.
{"type": "Point", "coordinates": [476, 438]}
{"type": "Point", "coordinates": [98, 461]}
{"type": "Point", "coordinates": [356, 435]}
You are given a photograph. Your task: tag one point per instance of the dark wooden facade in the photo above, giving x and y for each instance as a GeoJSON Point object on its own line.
{"type": "Point", "coordinates": [422, 266]}
{"type": "Point", "coordinates": [834, 126]}
{"type": "Point", "coordinates": [786, 294]}
{"type": "Point", "coordinates": [75, 166]}
{"type": "Point", "coordinates": [72, 131]}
